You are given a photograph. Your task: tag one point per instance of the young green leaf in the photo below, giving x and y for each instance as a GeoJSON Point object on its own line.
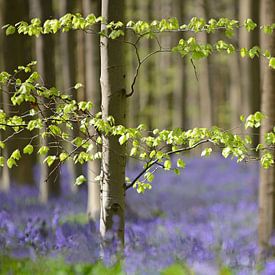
{"type": "Point", "coordinates": [167, 165]}
{"type": "Point", "coordinates": [11, 162]}
{"type": "Point", "coordinates": [206, 152]}
{"type": "Point", "coordinates": [43, 150]}
{"type": "Point", "coordinates": [180, 163]}
{"type": "Point", "coordinates": [50, 160]}
{"type": "Point", "coordinates": [272, 62]}
{"type": "Point", "coordinates": [63, 156]}
{"type": "Point", "coordinates": [2, 161]}
{"type": "Point", "coordinates": [28, 149]}
{"type": "Point", "coordinates": [79, 180]}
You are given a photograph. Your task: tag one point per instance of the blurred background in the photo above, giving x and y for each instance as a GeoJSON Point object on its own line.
{"type": "Point", "coordinates": [169, 92]}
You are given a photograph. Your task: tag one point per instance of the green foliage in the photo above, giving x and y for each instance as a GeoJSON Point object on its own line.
{"type": "Point", "coordinates": [79, 180]}
{"type": "Point", "coordinates": [44, 266]}
{"type": "Point", "coordinates": [143, 29]}
{"type": "Point", "coordinates": [155, 148]}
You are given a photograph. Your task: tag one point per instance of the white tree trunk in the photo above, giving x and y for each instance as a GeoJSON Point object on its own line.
{"type": "Point", "coordinates": [113, 154]}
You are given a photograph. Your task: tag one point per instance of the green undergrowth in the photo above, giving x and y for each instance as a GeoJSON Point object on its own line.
{"type": "Point", "coordinates": [46, 266]}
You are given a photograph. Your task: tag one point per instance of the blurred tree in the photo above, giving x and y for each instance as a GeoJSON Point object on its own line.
{"type": "Point", "coordinates": [5, 175]}
{"type": "Point", "coordinates": [235, 92]}
{"type": "Point", "coordinates": [17, 50]}
{"type": "Point", "coordinates": [44, 51]}
{"type": "Point", "coordinates": [165, 72]}
{"type": "Point", "coordinates": [205, 98]}
{"type": "Point", "coordinates": [250, 68]}
{"type": "Point", "coordinates": [67, 61]}
{"type": "Point", "coordinates": [267, 177]}
{"type": "Point", "coordinates": [179, 96]}
{"type": "Point", "coordinates": [92, 88]}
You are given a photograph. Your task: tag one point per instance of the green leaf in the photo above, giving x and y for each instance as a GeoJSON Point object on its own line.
{"type": "Point", "coordinates": [10, 30]}
{"type": "Point", "coordinates": [50, 160]}
{"type": "Point", "coordinates": [11, 162]}
{"type": "Point", "coordinates": [180, 163]}
{"type": "Point", "coordinates": [79, 180]}
{"type": "Point", "coordinates": [122, 139]}
{"type": "Point", "coordinates": [206, 152]}
{"type": "Point", "coordinates": [167, 165]}
{"type": "Point", "coordinates": [176, 171]}
{"type": "Point", "coordinates": [63, 156]}
{"type": "Point", "coordinates": [267, 160]}
{"type": "Point", "coordinates": [249, 25]}
{"type": "Point", "coordinates": [149, 176]}
{"type": "Point", "coordinates": [2, 161]}
{"type": "Point", "coordinates": [243, 52]}
{"type": "Point", "coordinates": [16, 155]}
{"type": "Point", "coordinates": [272, 62]}
{"type": "Point", "coordinates": [133, 151]}
{"type": "Point", "coordinates": [28, 149]}
{"type": "Point", "coordinates": [2, 144]}
{"type": "Point", "coordinates": [78, 85]}
{"type": "Point", "coordinates": [43, 150]}
{"type": "Point", "coordinates": [226, 152]}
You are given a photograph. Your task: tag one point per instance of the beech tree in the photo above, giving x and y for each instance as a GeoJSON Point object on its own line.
{"type": "Point", "coordinates": [154, 148]}
{"type": "Point", "coordinates": [267, 177]}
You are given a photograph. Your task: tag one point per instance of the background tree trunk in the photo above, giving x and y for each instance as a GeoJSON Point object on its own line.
{"type": "Point", "coordinates": [44, 49]}
{"type": "Point", "coordinates": [179, 96]}
{"type": "Point", "coordinates": [4, 172]}
{"type": "Point", "coordinates": [113, 103]}
{"type": "Point", "coordinates": [92, 88]}
{"type": "Point", "coordinates": [17, 51]}
{"type": "Point", "coordinates": [250, 68]}
{"type": "Point", "coordinates": [67, 59]}
{"type": "Point", "coordinates": [267, 177]}
{"type": "Point", "coordinates": [205, 98]}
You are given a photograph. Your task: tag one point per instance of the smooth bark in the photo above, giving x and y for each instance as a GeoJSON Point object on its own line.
{"type": "Point", "coordinates": [4, 171]}
{"type": "Point", "coordinates": [113, 154]}
{"type": "Point", "coordinates": [44, 50]}
{"type": "Point", "coordinates": [250, 68]}
{"type": "Point", "coordinates": [92, 88]}
{"type": "Point", "coordinates": [67, 59]}
{"type": "Point", "coordinates": [205, 97]}
{"type": "Point", "coordinates": [17, 51]}
{"type": "Point", "coordinates": [267, 177]}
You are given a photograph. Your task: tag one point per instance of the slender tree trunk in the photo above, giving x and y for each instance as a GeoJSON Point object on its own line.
{"type": "Point", "coordinates": [267, 177]}
{"type": "Point", "coordinates": [165, 65]}
{"type": "Point", "coordinates": [5, 175]}
{"type": "Point", "coordinates": [113, 104]}
{"type": "Point", "coordinates": [92, 86]}
{"type": "Point", "coordinates": [44, 49]}
{"type": "Point", "coordinates": [179, 97]}
{"type": "Point", "coordinates": [67, 55]}
{"type": "Point", "coordinates": [250, 68]}
{"type": "Point", "coordinates": [17, 51]}
{"type": "Point", "coordinates": [203, 75]}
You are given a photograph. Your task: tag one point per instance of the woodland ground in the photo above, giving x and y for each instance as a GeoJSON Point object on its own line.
{"type": "Point", "coordinates": [203, 221]}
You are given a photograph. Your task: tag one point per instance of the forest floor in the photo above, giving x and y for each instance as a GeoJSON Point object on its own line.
{"type": "Point", "coordinates": [201, 222]}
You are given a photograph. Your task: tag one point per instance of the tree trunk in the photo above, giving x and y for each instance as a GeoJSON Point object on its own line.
{"type": "Point", "coordinates": [92, 88]}
{"type": "Point", "coordinates": [267, 177]}
{"type": "Point", "coordinates": [179, 96]}
{"type": "Point", "coordinates": [67, 55]}
{"type": "Point", "coordinates": [113, 154]}
{"type": "Point", "coordinates": [250, 68]}
{"type": "Point", "coordinates": [165, 87]}
{"type": "Point", "coordinates": [44, 49]}
{"type": "Point", "coordinates": [203, 76]}
{"type": "Point", "coordinates": [5, 175]}
{"type": "Point", "coordinates": [17, 51]}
